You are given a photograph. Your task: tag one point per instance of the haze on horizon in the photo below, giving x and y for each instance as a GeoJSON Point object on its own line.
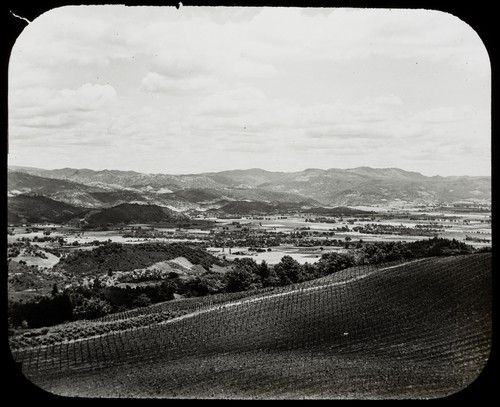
{"type": "Point", "coordinates": [209, 89]}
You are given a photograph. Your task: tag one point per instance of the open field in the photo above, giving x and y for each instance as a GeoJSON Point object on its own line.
{"type": "Point", "coordinates": [420, 329]}
{"type": "Point", "coordinates": [301, 254]}
{"type": "Point", "coordinates": [386, 225]}
{"type": "Point", "coordinates": [450, 225]}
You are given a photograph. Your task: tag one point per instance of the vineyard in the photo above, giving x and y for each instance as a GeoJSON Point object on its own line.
{"type": "Point", "coordinates": [419, 329]}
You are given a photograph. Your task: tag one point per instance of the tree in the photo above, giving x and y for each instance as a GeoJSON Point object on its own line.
{"type": "Point", "coordinates": [309, 272]}
{"type": "Point", "coordinates": [206, 283]}
{"type": "Point", "coordinates": [242, 279]}
{"type": "Point", "coordinates": [332, 262]}
{"type": "Point", "coordinates": [93, 307]}
{"type": "Point", "coordinates": [196, 287]}
{"type": "Point", "coordinates": [263, 270]}
{"type": "Point", "coordinates": [288, 270]}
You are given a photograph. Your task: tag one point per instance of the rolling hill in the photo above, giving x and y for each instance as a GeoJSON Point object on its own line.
{"type": "Point", "coordinates": [70, 192]}
{"type": "Point", "coordinates": [258, 207]}
{"type": "Point", "coordinates": [246, 178]}
{"type": "Point", "coordinates": [331, 187]}
{"type": "Point", "coordinates": [38, 209]}
{"type": "Point", "coordinates": [368, 186]}
{"type": "Point", "coordinates": [191, 192]}
{"type": "Point", "coordinates": [337, 211]}
{"type": "Point", "coordinates": [123, 179]}
{"type": "Point", "coordinates": [134, 213]}
{"type": "Point", "coordinates": [420, 329]}
{"type": "Point", "coordinates": [246, 208]}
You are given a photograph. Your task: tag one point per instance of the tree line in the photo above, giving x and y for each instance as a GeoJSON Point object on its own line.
{"type": "Point", "coordinates": [245, 274]}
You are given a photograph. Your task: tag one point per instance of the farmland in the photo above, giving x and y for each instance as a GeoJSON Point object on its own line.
{"type": "Point", "coordinates": [304, 236]}
{"type": "Point", "coordinates": [366, 302]}
{"type": "Point", "coordinates": [420, 328]}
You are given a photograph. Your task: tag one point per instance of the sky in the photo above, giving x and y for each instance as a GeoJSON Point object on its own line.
{"type": "Point", "coordinates": [204, 89]}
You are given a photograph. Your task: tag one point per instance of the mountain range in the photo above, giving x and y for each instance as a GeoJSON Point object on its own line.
{"type": "Point", "coordinates": [245, 189]}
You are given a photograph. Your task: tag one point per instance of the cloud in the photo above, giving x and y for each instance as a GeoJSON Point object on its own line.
{"type": "Point", "coordinates": [154, 82]}
{"type": "Point", "coordinates": [389, 99]}
{"type": "Point", "coordinates": [239, 101]}
{"type": "Point", "coordinates": [87, 97]}
{"type": "Point", "coordinates": [279, 83]}
{"type": "Point", "coordinates": [54, 121]}
{"type": "Point", "coordinates": [198, 41]}
{"type": "Point", "coordinates": [231, 116]}
{"type": "Point", "coordinates": [444, 115]}
{"type": "Point", "coordinates": [57, 108]}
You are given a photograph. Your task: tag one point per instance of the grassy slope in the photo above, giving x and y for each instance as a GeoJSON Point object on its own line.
{"type": "Point", "coordinates": [422, 329]}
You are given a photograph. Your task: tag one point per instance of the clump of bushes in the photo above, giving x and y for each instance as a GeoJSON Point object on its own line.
{"type": "Point", "coordinates": [246, 274]}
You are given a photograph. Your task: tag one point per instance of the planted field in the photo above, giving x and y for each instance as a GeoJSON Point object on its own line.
{"type": "Point", "coordinates": [419, 329]}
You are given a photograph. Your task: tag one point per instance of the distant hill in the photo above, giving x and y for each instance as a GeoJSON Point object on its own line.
{"type": "Point", "coordinates": [70, 192]}
{"type": "Point", "coordinates": [370, 186]}
{"type": "Point", "coordinates": [134, 213]}
{"type": "Point", "coordinates": [197, 194]}
{"type": "Point", "coordinates": [20, 182]}
{"type": "Point", "coordinates": [40, 209]}
{"type": "Point", "coordinates": [337, 211]}
{"type": "Point", "coordinates": [190, 192]}
{"type": "Point", "coordinates": [313, 187]}
{"type": "Point", "coordinates": [245, 178]}
{"type": "Point", "coordinates": [257, 207]}
{"type": "Point", "coordinates": [244, 207]}
{"type": "Point", "coordinates": [124, 179]}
